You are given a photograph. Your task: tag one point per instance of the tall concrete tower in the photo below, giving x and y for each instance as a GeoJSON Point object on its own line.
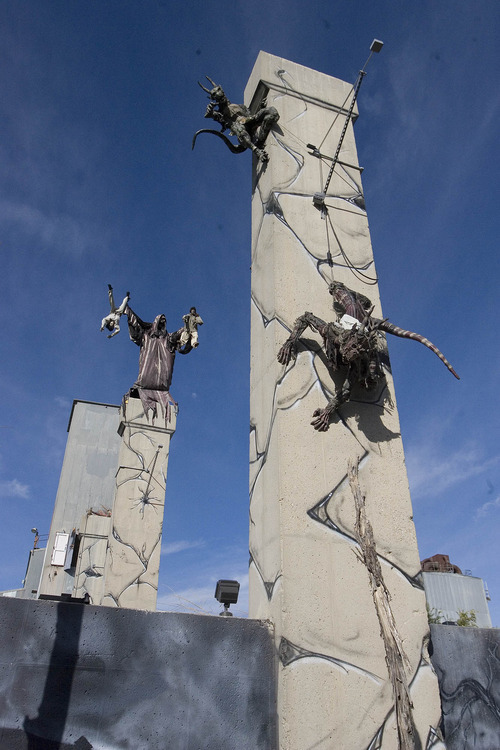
{"type": "Point", "coordinates": [333, 562]}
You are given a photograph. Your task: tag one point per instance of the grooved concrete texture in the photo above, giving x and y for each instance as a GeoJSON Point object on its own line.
{"type": "Point", "coordinates": [76, 676]}
{"type": "Point", "coordinates": [87, 481]}
{"type": "Point", "coordinates": [305, 575]}
{"type": "Point", "coordinates": [467, 662]}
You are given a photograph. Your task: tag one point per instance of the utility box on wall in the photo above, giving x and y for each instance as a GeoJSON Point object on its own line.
{"type": "Point", "coordinates": [60, 549]}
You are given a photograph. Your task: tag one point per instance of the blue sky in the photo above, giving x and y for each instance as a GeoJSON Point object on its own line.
{"type": "Point", "coordinates": [98, 183]}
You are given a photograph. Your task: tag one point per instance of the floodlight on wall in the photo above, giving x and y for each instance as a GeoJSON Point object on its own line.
{"type": "Point", "coordinates": [34, 531]}
{"type": "Point", "coordinates": [226, 592]}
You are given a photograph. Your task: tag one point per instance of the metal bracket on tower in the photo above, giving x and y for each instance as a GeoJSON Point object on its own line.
{"type": "Point", "coordinates": [319, 202]}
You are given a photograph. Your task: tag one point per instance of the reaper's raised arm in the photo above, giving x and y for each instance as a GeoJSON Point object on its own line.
{"type": "Point", "coordinates": [136, 326]}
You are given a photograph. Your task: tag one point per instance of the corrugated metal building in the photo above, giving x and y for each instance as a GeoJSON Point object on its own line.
{"type": "Point", "coordinates": [448, 593]}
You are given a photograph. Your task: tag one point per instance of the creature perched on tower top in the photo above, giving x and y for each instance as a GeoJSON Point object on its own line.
{"type": "Point", "coordinates": [250, 130]}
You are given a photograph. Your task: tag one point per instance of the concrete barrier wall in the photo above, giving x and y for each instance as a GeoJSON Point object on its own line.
{"type": "Point", "coordinates": [467, 662]}
{"type": "Point", "coordinates": [76, 676]}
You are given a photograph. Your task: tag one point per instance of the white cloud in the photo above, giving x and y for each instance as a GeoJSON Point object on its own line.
{"type": "Point", "coordinates": [13, 488]}
{"type": "Point", "coordinates": [484, 509]}
{"type": "Point", "coordinates": [52, 449]}
{"type": "Point", "coordinates": [62, 402]}
{"type": "Point", "coordinates": [201, 600]}
{"type": "Point", "coordinates": [65, 233]}
{"type": "Point", "coordinates": [172, 547]}
{"type": "Point", "coordinates": [53, 165]}
{"type": "Point", "coordinates": [189, 586]}
{"type": "Point", "coordinates": [438, 140]}
{"type": "Point", "coordinates": [433, 470]}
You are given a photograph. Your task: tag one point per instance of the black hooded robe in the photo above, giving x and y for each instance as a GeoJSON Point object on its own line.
{"type": "Point", "coordinates": [156, 362]}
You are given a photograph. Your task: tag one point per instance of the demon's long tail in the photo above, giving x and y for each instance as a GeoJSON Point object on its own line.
{"type": "Point", "coordinates": [231, 146]}
{"type": "Point", "coordinates": [384, 325]}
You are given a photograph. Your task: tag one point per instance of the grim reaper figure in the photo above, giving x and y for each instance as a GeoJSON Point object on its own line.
{"type": "Point", "coordinates": [352, 344]}
{"type": "Point", "coordinates": [156, 361]}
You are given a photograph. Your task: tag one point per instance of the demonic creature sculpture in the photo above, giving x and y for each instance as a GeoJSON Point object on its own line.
{"type": "Point", "coordinates": [250, 130]}
{"type": "Point", "coordinates": [353, 344]}
{"type": "Point", "coordinates": [156, 360]}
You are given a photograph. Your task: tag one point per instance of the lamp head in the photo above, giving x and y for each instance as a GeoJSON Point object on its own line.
{"type": "Point", "coordinates": [226, 592]}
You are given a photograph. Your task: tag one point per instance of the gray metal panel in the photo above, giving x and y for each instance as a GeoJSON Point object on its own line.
{"type": "Point", "coordinates": [33, 574]}
{"type": "Point", "coordinates": [87, 478]}
{"type": "Point", "coordinates": [450, 592]}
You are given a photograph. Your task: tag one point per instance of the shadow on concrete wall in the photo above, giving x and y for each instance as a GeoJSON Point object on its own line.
{"type": "Point", "coordinates": [46, 730]}
{"type": "Point", "coordinates": [85, 677]}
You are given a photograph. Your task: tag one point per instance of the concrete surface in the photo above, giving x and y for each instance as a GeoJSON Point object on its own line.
{"type": "Point", "coordinates": [87, 481]}
{"type": "Point", "coordinates": [133, 553]}
{"type": "Point", "coordinates": [77, 676]}
{"type": "Point", "coordinates": [467, 662]}
{"type": "Point", "coordinates": [305, 573]}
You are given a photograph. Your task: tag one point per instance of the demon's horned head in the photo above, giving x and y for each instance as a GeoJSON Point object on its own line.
{"type": "Point", "coordinates": [216, 93]}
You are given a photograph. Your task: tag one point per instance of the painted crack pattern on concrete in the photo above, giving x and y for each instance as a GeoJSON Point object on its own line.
{"type": "Point", "coordinates": [271, 206]}
{"type": "Point", "coordinates": [467, 661]}
{"type": "Point", "coordinates": [90, 567]}
{"type": "Point", "coordinates": [290, 233]}
{"type": "Point", "coordinates": [268, 585]}
{"type": "Point", "coordinates": [320, 514]}
{"type": "Point", "coordinates": [144, 561]}
{"type": "Point", "coordinates": [290, 653]}
{"type": "Point", "coordinates": [397, 661]}
{"type": "Point", "coordinates": [434, 739]}
{"type": "Point", "coordinates": [133, 555]}
{"type": "Point", "coordinates": [145, 475]}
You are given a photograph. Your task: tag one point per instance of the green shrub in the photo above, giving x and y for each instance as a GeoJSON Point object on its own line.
{"type": "Point", "coordinates": [434, 616]}
{"type": "Point", "coordinates": [467, 618]}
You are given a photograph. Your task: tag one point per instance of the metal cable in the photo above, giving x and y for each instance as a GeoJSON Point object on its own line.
{"type": "Point", "coordinates": [344, 129]}
{"type": "Point", "coordinates": [355, 271]}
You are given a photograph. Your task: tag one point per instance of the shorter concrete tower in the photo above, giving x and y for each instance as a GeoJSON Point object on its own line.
{"type": "Point", "coordinates": [105, 536]}
{"type": "Point", "coordinates": [133, 555]}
